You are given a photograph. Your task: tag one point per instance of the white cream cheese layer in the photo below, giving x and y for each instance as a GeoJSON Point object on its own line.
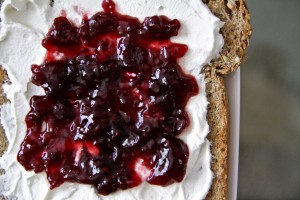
{"type": "Point", "coordinates": [24, 25]}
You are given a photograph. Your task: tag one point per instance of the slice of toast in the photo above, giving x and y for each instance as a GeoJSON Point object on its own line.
{"type": "Point", "coordinates": [236, 32]}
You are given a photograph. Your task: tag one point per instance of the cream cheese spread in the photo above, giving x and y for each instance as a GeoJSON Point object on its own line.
{"type": "Point", "coordinates": [24, 25]}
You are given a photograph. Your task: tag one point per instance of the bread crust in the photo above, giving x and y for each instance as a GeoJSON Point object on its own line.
{"type": "Point", "coordinates": [218, 120]}
{"type": "Point", "coordinates": [236, 32]}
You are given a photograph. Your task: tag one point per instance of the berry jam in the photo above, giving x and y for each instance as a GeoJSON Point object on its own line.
{"type": "Point", "coordinates": [113, 105]}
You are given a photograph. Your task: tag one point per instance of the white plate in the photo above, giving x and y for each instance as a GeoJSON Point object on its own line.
{"type": "Point", "coordinates": [232, 82]}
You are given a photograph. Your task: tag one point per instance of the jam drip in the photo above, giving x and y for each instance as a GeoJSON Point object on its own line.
{"type": "Point", "coordinates": [113, 105]}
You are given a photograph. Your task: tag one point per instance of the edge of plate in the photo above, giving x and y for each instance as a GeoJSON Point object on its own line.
{"type": "Point", "coordinates": [232, 82]}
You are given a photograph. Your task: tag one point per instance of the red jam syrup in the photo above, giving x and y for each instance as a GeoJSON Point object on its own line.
{"type": "Point", "coordinates": [113, 105]}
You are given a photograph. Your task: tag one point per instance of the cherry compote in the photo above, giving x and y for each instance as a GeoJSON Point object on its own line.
{"type": "Point", "coordinates": [113, 105]}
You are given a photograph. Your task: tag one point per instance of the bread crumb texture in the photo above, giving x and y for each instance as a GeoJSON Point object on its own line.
{"type": "Point", "coordinates": [3, 139]}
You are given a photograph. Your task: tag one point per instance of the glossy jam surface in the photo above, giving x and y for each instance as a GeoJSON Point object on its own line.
{"type": "Point", "coordinates": [113, 105]}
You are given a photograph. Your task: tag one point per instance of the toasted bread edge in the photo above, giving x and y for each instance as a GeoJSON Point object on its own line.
{"type": "Point", "coordinates": [236, 32]}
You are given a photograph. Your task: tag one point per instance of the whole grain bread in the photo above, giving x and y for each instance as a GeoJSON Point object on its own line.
{"type": "Point", "coordinates": [236, 33]}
